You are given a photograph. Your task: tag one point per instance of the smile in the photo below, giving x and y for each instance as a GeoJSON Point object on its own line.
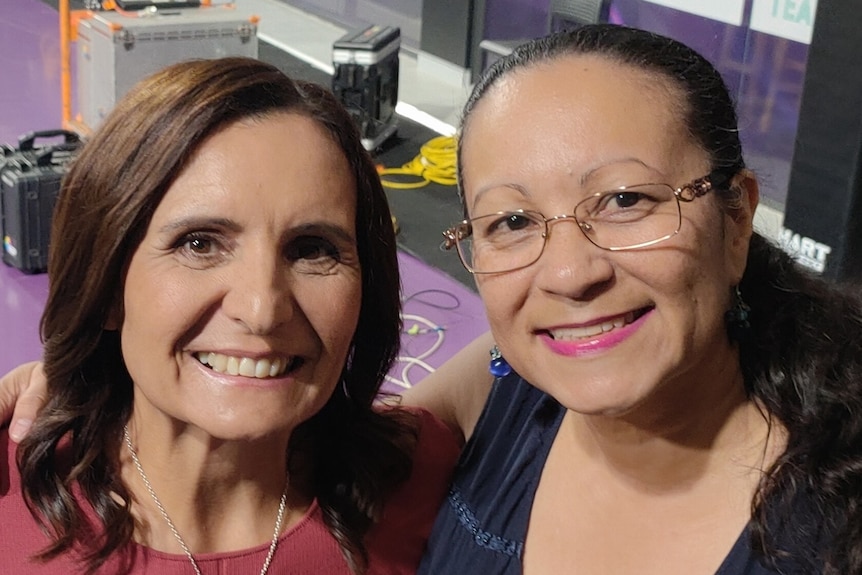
{"type": "Point", "coordinates": [246, 366]}
{"type": "Point", "coordinates": [589, 331]}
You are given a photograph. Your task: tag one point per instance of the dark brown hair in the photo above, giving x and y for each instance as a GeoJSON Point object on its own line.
{"type": "Point", "coordinates": [357, 455]}
{"type": "Point", "coordinates": [801, 361]}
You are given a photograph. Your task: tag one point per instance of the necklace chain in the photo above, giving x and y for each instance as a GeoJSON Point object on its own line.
{"type": "Point", "coordinates": [278, 520]}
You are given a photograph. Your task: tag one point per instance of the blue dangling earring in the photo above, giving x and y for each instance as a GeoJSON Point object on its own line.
{"type": "Point", "coordinates": [736, 318]}
{"type": "Point", "coordinates": [498, 367]}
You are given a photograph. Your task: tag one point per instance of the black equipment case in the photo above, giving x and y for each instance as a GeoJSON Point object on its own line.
{"type": "Point", "coordinates": [30, 178]}
{"type": "Point", "coordinates": [365, 80]}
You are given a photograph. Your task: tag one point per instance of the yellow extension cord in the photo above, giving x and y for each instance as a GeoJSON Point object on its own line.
{"type": "Point", "coordinates": [436, 163]}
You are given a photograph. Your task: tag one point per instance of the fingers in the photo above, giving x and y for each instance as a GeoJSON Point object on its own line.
{"type": "Point", "coordinates": [22, 394]}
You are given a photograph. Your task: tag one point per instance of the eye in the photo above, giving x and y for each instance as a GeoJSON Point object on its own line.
{"type": "Point", "coordinates": [199, 245]}
{"type": "Point", "coordinates": [311, 248]}
{"type": "Point", "coordinates": [516, 222]}
{"type": "Point", "coordinates": [625, 206]}
{"type": "Point", "coordinates": [509, 222]}
{"type": "Point", "coordinates": [624, 200]}
{"type": "Point", "coordinates": [200, 249]}
{"type": "Point", "coordinates": [313, 254]}
{"type": "Point", "coordinates": [615, 201]}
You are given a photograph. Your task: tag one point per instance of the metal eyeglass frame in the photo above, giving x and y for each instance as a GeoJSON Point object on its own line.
{"type": "Point", "coordinates": [685, 193]}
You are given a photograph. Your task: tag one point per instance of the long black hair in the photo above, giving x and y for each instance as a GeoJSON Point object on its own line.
{"type": "Point", "coordinates": [802, 361]}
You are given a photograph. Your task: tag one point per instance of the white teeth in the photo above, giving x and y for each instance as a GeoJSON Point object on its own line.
{"type": "Point", "coordinates": [591, 330]}
{"type": "Point", "coordinates": [262, 367]}
{"type": "Point", "coordinates": [277, 365]}
{"type": "Point", "coordinates": [218, 362]}
{"type": "Point", "coordinates": [244, 366]}
{"type": "Point", "coordinates": [232, 366]}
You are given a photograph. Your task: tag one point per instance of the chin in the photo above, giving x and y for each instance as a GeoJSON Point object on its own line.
{"type": "Point", "coordinates": [599, 407]}
{"type": "Point", "coordinates": [245, 430]}
{"type": "Point", "coordinates": [600, 397]}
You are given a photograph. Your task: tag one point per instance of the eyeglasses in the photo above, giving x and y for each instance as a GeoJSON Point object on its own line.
{"type": "Point", "coordinates": [626, 218]}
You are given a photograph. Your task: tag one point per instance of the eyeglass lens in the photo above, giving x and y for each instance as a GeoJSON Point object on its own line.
{"type": "Point", "coordinates": [628, 218]}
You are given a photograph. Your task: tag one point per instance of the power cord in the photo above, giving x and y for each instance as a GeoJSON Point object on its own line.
{"type": "Point", "coordinates": [407, 362]}
{"type": "Point", "coordinates": [419, 326]}
{"type": "Point", "coordinates": [436, 163]}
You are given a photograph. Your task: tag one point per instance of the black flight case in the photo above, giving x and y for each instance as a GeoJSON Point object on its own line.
{"type": "Point", "coordinates": [29, 184]}
{"type": "Point", "coordinates": [365, 80]}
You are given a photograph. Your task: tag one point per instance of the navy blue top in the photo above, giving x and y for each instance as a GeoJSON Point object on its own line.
{"type": "Point", "coordinates": [482, 525]}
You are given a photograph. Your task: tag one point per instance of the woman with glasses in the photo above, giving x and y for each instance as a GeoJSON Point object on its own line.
{"type": "Point", "coordinates": [667, 392]}
{"type": "Point", "coordinates": [672, 394]}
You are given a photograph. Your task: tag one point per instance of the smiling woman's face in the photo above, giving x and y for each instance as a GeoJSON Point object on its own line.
{"type": "Point", "coordinates": [603, 332]}
{"type": "Point", "coordinates": [241, 301]}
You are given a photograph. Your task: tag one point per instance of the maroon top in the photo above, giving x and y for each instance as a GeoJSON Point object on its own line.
{"type": "Point", "coordinates": [395, 545]}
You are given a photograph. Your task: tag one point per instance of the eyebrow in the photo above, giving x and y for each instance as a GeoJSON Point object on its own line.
{"type": "Point", "coordinates": [483, 190]}
{"type": "Point", "coordinates": [585, 177]}
{"type": "Point", "coordinates": [308, 228]}
{"type": "Point", "coordinates": [325, 229]}
{"type": "Point", "coordinates": [199, 222]}
{"type": "Point", "coordinates": [583, 180]}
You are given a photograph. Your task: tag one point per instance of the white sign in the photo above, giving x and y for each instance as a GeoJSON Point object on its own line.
{"type": "Point", "coordinates": [791, 19]}
{"type": "Point", "coordinates": [806, 251]}
{"type": "Point", "coordinates": [729, 11]}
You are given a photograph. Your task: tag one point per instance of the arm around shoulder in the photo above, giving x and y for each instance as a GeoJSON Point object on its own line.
{"type": "Point", "coordinates": [23, 392]}
{"type": "Point", "coordinates": [457, 391]}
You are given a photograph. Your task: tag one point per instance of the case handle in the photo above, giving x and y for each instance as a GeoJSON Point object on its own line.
{"type": "Point", "coordinates": [25, 142]}
{"type": "Point", "coordinates": [45, 156]}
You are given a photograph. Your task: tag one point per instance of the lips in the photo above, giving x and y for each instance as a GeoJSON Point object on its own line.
{"type": "Point", "coordinates": [259, 368]}
{"type": "Point", "coordinates": [595, 329]}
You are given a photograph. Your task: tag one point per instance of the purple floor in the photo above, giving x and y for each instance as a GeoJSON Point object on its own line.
{"type": "Point", "coordinates": [441, 315]}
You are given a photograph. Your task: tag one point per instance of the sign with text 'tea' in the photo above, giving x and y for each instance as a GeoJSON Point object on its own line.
{"type": "Point", "coordinates": [791, 19]}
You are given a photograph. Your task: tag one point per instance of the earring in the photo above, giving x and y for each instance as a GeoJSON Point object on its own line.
{"type": "Point", "coordinates": [736, 318]}
{"type": "Point", "coordinates": [498, 367]}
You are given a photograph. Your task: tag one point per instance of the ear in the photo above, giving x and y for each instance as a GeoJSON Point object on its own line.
{"type": "Point", "coordinates": [739, 222]}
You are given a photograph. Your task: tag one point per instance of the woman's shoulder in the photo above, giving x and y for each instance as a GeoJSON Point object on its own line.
{"type": "Point", "coordinates": [436, 442]}
{"type": "Point", "coordinates": [514, 406]}
{"type": "Point", "coordinates": [434, 457]}
{"type": "Point", "coordinates": [22, 537]}
{"type": "Point", "coordinates": [434, 435]}
{"type": "Point", "coordinates": [10, 478]}
{"type": "Point", "coordinates": [7, 461]}
{"type": "Point", "coordinates": [397, 542]}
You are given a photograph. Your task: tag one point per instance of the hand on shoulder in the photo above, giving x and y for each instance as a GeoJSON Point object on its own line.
{"type": "Point", "coordinates": [23, 392]}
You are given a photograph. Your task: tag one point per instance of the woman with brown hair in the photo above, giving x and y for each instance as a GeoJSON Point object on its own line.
{"type": "Point", "coordinates": [224, 303]}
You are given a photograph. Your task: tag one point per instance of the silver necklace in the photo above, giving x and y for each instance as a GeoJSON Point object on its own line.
{"type": "Point", "coordinates": [278, 520]}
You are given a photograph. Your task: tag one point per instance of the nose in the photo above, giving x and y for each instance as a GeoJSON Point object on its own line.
{"type": "Point", "coordinates": [258, 295]}
{"type": "Point", "coordinates": [571, 265]}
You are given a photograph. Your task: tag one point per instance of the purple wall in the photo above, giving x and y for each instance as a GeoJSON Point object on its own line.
{"type": "Point", "coordinates": [514, 19]}
{"type": "Point", "coordinates": [764, 73]}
